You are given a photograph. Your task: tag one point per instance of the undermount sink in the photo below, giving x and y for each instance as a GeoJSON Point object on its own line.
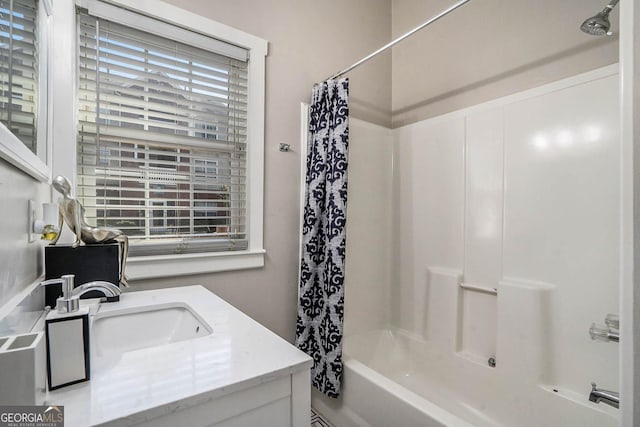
{"type": "Point", "coordinates": [119, 331]}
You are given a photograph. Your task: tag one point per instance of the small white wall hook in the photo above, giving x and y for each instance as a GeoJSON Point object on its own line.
{"type": "Point", "coordinates": [285, 147]}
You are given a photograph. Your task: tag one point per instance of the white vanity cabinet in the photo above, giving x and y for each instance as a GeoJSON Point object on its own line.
{"type": "Point", "coordinates": [281, 402]}
{"type": "Point", "coordinates": [240, 374]}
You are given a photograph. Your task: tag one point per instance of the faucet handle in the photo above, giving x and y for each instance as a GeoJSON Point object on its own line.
{"type": "Point", "coordinates": [604, 333]}
{"type": "Point", "coordinates": [599, 333]}
{"type": "Point", "coordinates": [612, 321]}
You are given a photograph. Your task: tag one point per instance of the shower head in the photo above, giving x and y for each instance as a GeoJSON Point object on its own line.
{"type": "Point", "coordinates": [599, 25]}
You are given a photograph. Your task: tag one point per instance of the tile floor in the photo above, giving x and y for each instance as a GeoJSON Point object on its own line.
{"type": "Point", "coordinates": [318, 421]}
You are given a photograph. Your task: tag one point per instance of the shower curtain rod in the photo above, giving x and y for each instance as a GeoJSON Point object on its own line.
{"type": "Point", "coordinates": [399, 39]}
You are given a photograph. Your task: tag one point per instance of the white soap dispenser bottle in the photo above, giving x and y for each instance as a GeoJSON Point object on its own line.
{"type": "Point", "coordinates": [67, 338]}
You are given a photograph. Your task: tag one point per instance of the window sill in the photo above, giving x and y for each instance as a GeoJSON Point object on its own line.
{"type": "Point", "coordinates": [150, 267]}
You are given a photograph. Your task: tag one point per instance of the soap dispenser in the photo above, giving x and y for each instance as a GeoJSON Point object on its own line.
{"type": "Point", "coordinates": [67, 338]}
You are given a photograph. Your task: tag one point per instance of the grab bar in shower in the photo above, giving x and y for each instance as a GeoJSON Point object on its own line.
{"type": "Point", "coordinates": [484, 289]}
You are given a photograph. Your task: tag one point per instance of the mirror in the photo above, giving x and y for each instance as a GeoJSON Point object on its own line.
{"type": "Point", "coordinates": [24, 100]}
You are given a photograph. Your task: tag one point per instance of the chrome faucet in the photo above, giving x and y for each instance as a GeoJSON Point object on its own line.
{"type": "Point", "coordinates": [110, 291]}
{"type": "Point", "coordinates": [597, 395]}
{"type": "Point", "coordinates": [69, 302]}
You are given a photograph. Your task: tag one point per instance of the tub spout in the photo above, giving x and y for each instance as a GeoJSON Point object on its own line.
{"type": "Point", "coordinates": [597, 395]}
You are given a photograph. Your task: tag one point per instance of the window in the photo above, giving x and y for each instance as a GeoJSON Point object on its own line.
{"type": "Point", "coordinates": [24, 27]}
{"type": "Point", "coordinates": [19, 68]}
{"type": "Point", "coordinates": [169, 141]}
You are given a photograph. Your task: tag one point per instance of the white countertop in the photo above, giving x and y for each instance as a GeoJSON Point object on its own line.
{"type": "Point", "coordinates": [140, 385]}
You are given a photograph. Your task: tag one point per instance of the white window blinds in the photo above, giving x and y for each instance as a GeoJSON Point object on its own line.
{"type": "Point", "coordinates": [161, 140]}
{"type": "Point", "coordinates": [19, 68]}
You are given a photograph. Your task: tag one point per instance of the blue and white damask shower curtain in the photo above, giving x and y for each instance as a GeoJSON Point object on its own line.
{"type": "Point", "coordinates": [321, 293]}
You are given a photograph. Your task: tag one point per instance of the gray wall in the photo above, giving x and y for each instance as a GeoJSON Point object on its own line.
{"type": "Point", "coordinates": [308, 42]}
{"type": "Point", "coordinates": [20, 261]}
{"type": "Point", "coordinates": [488, 49]}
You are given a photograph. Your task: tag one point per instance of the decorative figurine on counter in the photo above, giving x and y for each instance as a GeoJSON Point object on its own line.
{"type": "Point", "coordinates": [72, 212]}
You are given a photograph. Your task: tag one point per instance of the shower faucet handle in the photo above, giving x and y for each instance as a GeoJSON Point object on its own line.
{"type": "Point", "coordinates": [603, 333]}
{"type": "Point", "coordinates": [612, 321]}
{"type": "Point", "coordinates": [598, 333]}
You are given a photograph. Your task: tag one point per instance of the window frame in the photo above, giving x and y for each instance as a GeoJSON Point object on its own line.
{"type": "Point", "coordinates": [154, 266]}
{"type": "Point", "coordinates": [12, 149]}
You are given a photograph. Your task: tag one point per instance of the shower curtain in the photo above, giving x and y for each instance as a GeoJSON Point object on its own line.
{"type": "Point", "coordinates": [321, 293]}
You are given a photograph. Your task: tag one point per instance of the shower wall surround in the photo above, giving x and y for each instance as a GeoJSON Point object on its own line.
{"type": "Point", "coordinates": [368, 260]}
{"type": "Point", "coordinates": [521, 195]}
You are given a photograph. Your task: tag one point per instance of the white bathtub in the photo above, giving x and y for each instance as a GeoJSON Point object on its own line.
{"type": "Point", "coordinates": [395, 380]}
